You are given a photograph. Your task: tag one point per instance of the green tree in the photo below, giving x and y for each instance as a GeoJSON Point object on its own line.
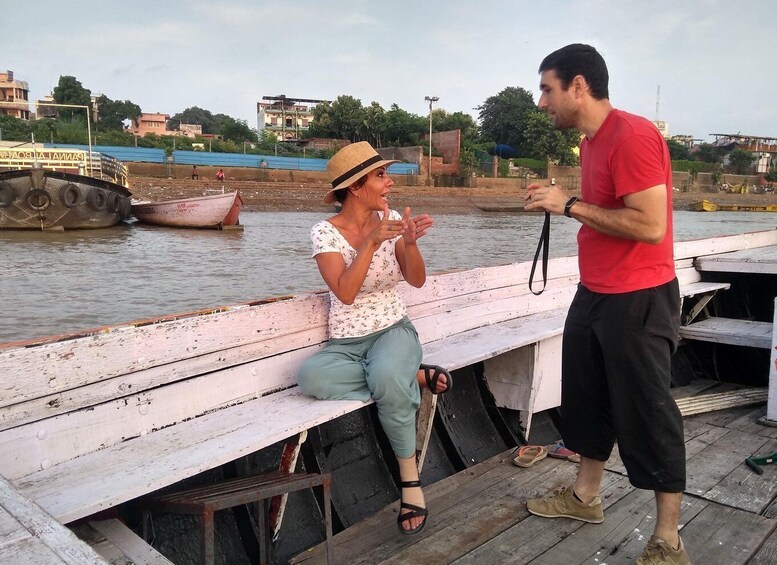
{"type": "Point", "coordinates": [237, 131]}
{"type": "Point", "coordinates": [198, 116]}
{"type": "Point", "coordinates": [69, 90]}
{"type": "Point", "coordinates": [374, 124]}
{"type": "Point", "coordinates": [677, 151]}
{"type": "Point", "coordinates": [503, 118]}
{"type": "Point", "coordinates": [708, 153]}
{"type": "Point", "coordinates": [322, 124]}
{"type": "Point", "coordinates": [443, 121]}
{"type": "Point", "coordinates": [71, 131]}
{"type": "Point", "coordinates": [14, 129]}
{"type": "Point", "coordinates": [113, 113]}
{"type": "Point", "coordinates": [404, 128]}
{"type": "Point", "coordinates": [542, 141]}
{"type": "Point", "coordinates": [741, 161]}
{"type": "Point", "coordinates": [347, 117]}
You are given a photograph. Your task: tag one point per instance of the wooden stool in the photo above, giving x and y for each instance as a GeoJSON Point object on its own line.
{"type": "Point", "coordinates": [204, 501]}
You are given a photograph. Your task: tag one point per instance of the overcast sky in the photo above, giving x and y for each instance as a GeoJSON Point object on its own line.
{"type": "Point", "coordinates": [713, 59]}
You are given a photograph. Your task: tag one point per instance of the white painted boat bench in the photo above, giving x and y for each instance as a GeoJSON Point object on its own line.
{"type": "Point", "coordinates": [114, 414]}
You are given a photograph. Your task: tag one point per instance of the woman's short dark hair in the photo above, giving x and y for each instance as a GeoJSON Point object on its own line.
{"type": "Point", "coordinates": [579, 59]}
{"type": "Point", "coordinates": [341, 194]}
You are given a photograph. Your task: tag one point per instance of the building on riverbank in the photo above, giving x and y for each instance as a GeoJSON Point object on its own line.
{"type": "Point", "coordinates": [14, 96]}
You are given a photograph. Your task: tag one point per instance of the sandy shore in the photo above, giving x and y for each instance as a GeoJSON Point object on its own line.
{"type": "Point", "coordinates": [289, 196]}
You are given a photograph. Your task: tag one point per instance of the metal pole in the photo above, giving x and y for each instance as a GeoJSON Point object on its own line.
{"type": "Point", "coordinates": [89, 136]}
{"type": "Point", "coordinates": [431, 100]}
{"type": "Point", "coordinates": [88, 124]}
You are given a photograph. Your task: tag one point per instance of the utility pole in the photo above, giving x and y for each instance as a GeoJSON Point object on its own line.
{"type": "Point", "coordinates": [431, 100]}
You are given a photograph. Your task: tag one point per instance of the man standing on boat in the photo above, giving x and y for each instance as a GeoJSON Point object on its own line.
{"type": "Point", "coordinates": [622, 325]}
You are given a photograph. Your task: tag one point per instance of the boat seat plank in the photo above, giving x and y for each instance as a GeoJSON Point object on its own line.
{"type": "Point", "coordinates": [486, 342]}
{"type": "Point", "coordinates": [760, 260]}
{"type": "Point", "coordinates": [702, 287]}
{"type": "Point", "coordinates": [98, 480]}
{"type": "Point", "coordinates": [729, 331]}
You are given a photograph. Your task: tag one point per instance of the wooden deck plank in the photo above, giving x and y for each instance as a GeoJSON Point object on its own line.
{"type": "Point", "coordinates": [697, 438]}
{"type": "Point", "coordinates": [745, 489]}
{"type": "Point", "coordinates": [378, 533]}
{"type": "Point", "coordinates": [719, 534]}
{"type": "Point", "coordinates": [623, 535]}
{"type": "Point", "coordinates": [715, 462]}
{"type": "Point", "coordinates": [720, 418]}
{"type": "Point", "coordinates": [749, 423]}
{"type": "Point", "coordinates": [533, 536]}
{"type": "Point", "coordinates": [767, 555]}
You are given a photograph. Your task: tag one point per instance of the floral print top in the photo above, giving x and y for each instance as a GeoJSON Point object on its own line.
{"type": "Point", "coordinates": [378, 304]}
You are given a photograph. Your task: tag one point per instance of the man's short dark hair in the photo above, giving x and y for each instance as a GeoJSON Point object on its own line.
{"type": "Point", "coordinates": [579, 59]}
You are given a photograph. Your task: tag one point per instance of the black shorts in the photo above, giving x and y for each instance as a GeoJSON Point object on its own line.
{"type": "Point", "coordinates": [616, 370]}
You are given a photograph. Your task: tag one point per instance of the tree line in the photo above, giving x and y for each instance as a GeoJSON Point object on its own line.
{"type": "Point", "coordinates": [510, 125]}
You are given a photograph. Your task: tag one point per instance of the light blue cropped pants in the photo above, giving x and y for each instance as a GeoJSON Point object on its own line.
{"type": "Point", "coordinates": [381, 366]}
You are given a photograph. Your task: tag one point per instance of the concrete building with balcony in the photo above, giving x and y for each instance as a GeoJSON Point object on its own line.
{"type": "Point", "coordinates": [286, 118]}
{"type": "Point", "coordinates": [14, 96]}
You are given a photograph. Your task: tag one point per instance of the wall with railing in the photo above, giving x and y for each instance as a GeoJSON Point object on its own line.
{"type": "Point", "coordinates": [244, 160]}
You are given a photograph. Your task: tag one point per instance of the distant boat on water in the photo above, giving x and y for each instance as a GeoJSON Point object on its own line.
{"type": "Point", "coordinates": [50, 189]}
{"type": "Point", "coordinates": [210, 212]}
{"type": "Point", "coordinates": [708, 206]}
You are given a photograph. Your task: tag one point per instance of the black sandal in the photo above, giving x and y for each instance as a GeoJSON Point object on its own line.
{"type": "Point", "coordinates": [415, 511]}
{"type": "Point", "coordinates": [432, 375]}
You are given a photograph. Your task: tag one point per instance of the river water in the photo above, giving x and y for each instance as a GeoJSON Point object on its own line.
{"type": "Point", "coordinates": [53, 283]}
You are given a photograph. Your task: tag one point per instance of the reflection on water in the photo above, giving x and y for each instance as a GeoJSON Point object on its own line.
{"type": "Point", "coordinates": [57, 282]}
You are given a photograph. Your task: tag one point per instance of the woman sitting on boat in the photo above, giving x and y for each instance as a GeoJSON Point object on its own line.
{"type": "Point", "coordinates": [373, 351]}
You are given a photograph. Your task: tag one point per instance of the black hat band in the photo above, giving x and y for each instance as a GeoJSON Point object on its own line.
{"type": "Point", "coordinates": [360, 167]}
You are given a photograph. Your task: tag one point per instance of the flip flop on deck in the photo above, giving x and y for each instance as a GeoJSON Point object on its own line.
{"type": "Point", "coordinates": [528, 455]}
{"type": "Point", "coordinates": [432, 375]}
{"type": "Point", "coordinates": [559, 451]}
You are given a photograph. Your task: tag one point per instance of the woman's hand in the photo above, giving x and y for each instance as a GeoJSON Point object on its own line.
{"type": "Point", "coordinates": [388, 229]}
{"type": "Point", "coordinates": [415, 227]}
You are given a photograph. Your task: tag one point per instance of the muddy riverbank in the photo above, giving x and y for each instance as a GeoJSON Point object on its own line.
{"type": "Point", "coordinates": [290, 196]}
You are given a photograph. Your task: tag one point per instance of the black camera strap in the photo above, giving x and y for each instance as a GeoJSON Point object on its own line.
{"type": "Point", "coordinates": [543, 245]}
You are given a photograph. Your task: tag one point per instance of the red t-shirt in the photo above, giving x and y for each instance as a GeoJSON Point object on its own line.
{"type": "Point", "coordinates": [626, 155]}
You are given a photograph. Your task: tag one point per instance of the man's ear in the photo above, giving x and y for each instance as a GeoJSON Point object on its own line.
{"type": "Point", "coordinates": [579, 85]}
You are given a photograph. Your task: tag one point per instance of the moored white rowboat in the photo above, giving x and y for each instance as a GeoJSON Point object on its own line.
{"type": "Point", "coordinates": [200, 212]}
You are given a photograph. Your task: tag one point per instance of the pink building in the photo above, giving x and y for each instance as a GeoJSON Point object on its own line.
{"type": "Point", "coordinates": [151, 123]}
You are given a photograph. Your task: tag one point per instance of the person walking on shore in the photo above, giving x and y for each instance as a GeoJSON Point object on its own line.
{"type": "Point", "coordinates": [622, 326]}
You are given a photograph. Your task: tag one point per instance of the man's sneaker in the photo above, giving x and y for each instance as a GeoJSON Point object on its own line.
{"type": "Point", "coordinates": [562, 503]}
{"type": "Point", "coordinates": [659, 552]}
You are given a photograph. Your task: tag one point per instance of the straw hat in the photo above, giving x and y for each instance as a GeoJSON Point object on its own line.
{"type": "Point", "coordinates": [350, 164]}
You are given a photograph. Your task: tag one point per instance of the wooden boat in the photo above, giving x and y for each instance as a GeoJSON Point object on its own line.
{"type": "Point", "coordinates": [50, 190]}
{"type": "Point", "coordinates": [233, 217]}
{"type": "Point", "coordinates": [707, 206]}
{"type": "Point", "coordinates": [212, 212]}
{"type": "Point", "coordinates": [105, 418]}
{"type": "Point", "coordinates": [703, 206]}
{"type": "Point", "coordinates": [747, 207]}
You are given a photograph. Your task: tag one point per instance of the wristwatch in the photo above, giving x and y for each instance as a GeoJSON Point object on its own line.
{"type": "Point", "coordinates": [568, 206]}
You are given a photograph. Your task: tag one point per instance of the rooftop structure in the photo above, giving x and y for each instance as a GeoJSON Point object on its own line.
{"type": "Point", "coordinates": [285, 117]}
{"type": "Point", "coordinates": [14, 96]}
